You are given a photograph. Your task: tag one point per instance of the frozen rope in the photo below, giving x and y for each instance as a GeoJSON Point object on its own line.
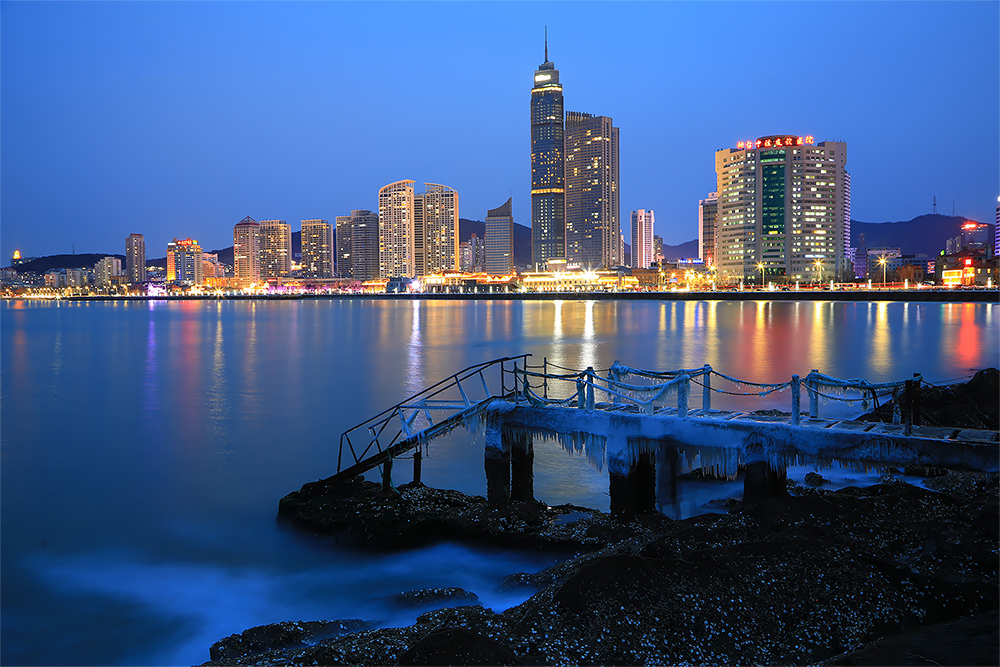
{"type": "Point", "coordinates": [773, 388]}
{"type": "Point", "coordinates": [751, 384]}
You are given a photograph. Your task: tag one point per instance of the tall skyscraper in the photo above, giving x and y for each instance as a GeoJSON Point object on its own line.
{"type": "Point", "coordinates": [395, 230]}
{"type": "Point", "coordinates": [500, 240]}
{"type": "Point", "coordinates": [364, 249]}
{"type": "Point", "coordinates": [708, 211]}
{"type": "Point", "coordinates": [184, 262]}
{"type": "Point", "coordinates": [642, 239]}
{"type": "Point", "coordinates": [317, 249]}
{"type": "Point", "coordinates": [592, 210]}
{"type": "Point", "coordinates": [548, 187]}
{"type": "Point", "coordinates": [343, 266]}
{"type": "Point", "coordinates": [275, 249]}
{"type": "Point", "coordinates": [135, 258]}
{"type": "Point", "coordinates": [435, 229]}
{"type": "Point", "coordinates": [996, 231]}
{"type": "Point", "coordinates": [782, 207]}
{"type": "Point", "coordinates": [246, 252]}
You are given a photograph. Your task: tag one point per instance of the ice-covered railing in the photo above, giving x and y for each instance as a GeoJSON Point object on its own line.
{"type": "Point", "coordinates": [621, 385]}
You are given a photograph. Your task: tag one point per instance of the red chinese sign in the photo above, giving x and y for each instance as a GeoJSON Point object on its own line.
{"type": "Point", "coordinates": [776, 142]}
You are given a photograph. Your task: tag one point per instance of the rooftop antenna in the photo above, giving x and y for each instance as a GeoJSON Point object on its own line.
{"type": "Point", "coordinates": [953, 207]}
{"type": "Point", "coordinates": [935, 204]}
{"type": "Point", "coordinates": [546, 43]}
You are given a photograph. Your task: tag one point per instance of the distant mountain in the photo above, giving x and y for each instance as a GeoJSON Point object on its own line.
{"type": "Point", "coordinates": [82, 261]}
{"type": "Point", "coordinates": [688, 249]}
{"type": "Point", "coordinates": [926, 234]}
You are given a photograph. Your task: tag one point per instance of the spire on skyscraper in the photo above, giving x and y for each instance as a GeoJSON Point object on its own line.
{"type": "Point", "coordinates": [546, 43]}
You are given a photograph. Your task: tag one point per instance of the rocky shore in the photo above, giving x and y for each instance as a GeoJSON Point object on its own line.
{"type": "Point", "coordinates": [888, 574]}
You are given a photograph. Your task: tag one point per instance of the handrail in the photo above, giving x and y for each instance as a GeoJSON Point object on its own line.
{"type": "Point", "coordinates": [420, 401]}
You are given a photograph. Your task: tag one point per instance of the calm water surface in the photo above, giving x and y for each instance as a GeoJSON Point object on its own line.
{"type": "Point", "coordinates": [144, 446]}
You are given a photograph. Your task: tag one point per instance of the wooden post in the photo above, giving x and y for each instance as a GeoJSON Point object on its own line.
{"type": "Point", "coordinates": [616, 375]}
{"type": "Point", "coordinates": [387, 475]}
{"type": "Point", "coordinates": [417, 460]}
{"type": "Point", "coordinates": [908, 413]}
{"type": "Point", "coordinates": [796, 399]}
{"type": "Point", "coordinates": [590, 388]}
{"type": "Point", "coordinates": [917, 379]}
{"type": "Point", "coordinates": [581, 402]}
{"type": "Point", "coordinates": [897, 416]}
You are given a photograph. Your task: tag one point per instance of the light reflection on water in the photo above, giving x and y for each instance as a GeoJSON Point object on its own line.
{"type": "Point", "coordinates": [204, 414]}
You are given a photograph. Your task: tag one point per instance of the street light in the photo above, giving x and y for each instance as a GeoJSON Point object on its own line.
{"type": "Point", "coordinates": [883, 261]}
{"type": "Point", "coordinates": [819, 270]}
{"type": "Point", "coordinates": [760, 267]}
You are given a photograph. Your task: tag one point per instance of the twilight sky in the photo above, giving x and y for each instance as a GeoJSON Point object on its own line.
{"type": "Point", "coordinates": [176, 119]}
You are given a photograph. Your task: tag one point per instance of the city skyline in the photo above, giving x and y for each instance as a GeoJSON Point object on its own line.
{"type": "Point", "coordinates": [157, 119]}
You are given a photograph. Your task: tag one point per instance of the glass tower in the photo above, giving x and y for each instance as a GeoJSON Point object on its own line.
{"type": "Point", "coordinates": [548, 188]}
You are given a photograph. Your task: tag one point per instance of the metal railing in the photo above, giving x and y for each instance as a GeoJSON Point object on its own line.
{"type": "Point", "coordinates": [410, 422]}
{"type": "Point", "coordinates": [621, 386]}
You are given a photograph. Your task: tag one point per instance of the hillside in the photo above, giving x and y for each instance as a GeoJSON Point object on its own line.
{"type": "Point", "coordinates": [924, 234]}
{"type": "Point", "coordinates": [81, 261]}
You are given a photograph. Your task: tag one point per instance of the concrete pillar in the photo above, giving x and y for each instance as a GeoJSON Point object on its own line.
{"type": "Point", "coordinates": [632, 486]}
{"type": "Point", "coordinates": [387, 475]}
{"type": "Point", "coordinates": [417, 461]}
{"type": "Point", "coordinates": [497, 465]}
{"type": "Point", "coordinates": [522, 457]}
{"type": "Point", "coordinates": [762, 482]}
{"type": "Point", "coordinates": [667, 469]}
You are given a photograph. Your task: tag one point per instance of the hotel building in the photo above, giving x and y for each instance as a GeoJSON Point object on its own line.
{"type": "Point", "coordinates": [783, 206]}
{"type": "Point", "coordinates": [184, 262]}
{"type": "Point", "coordinates": [708, 210]}
{"type": "Point", "coordinates": [500, 240]}
{"type": "Point", "coordinates": [135, 258]}
{"type": "Point", "coordinates": [642, 238]}
{"type": "Point", "coordinates": [317, 249]}
{"type": "Point", "coordinates": [275, 249]}
{"type": "Point", "coordinates": [548, 188]}
{"type": "Point", "coordinates": [593, 229]}
{"type": "Point", "coordinates": [246, 252]}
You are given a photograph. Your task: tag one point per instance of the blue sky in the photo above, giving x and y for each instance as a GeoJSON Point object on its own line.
{"type": "Point", "coordinates": [176, 119]}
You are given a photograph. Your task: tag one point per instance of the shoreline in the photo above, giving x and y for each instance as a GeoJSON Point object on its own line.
{"type": "Point", "coordinates": [852, 576]}
{"type": "Point", "coordinates": [913, 295]}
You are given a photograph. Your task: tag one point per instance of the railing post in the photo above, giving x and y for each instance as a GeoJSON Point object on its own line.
{"type": "Point", "coordinates": [896, 408]}
{"type": "Point", "coordinates": [387, 475]}
{"type": "Point", "coordinates": [590, 388]}
{"type": "Point", "coordinates": [682, 395]}
{"type": "Point", "coordinates": [581, 402]}
{"type": "Point", "coordinates": [917, 378]}
{"type": "Point", "coordinates": [545, 380]}
{"type": "Point", "coordinates": [796, 399]}
{"type": "Point", "coordinates": [908, 414]}
{"type": "Point", "coordinates": [616, 377]}
{"type": "Point", "coordinates": [706, 392]}
{"type": "Point", "coordinates": [813, 395]}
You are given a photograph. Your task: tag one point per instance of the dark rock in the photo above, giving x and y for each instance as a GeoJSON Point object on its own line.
{"type": "Point", "coordinates": [815, 479]}
{"type": "Point", "coordinates": [264, 638]}
{"type": "Point", "coordinates": [520, 581]}
{"type": "Point", "coordinates": [457, 646]}
{"type": "Point", "coordinates": [974, 404]}
{"type": "Point", "coordinates": [451, 597]}
{"type": "Point", "coordinates": [924, 471]}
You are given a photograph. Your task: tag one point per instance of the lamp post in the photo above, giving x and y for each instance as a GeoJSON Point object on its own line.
{"type": "Point", "coordinates": [819, 270]}
{"type": "Point", "coordinates": [884, 262]}
{"type": "Point", "coordinates": [760, 267]}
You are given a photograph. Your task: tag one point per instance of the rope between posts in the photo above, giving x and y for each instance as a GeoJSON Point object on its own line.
{"type": "Point", "coordinates": [574, 370]}
{"type": "Point", "coordinates": [774, 388]}
{"type": "Point", "coordinates": [863, 397]}
{"type": "Point", "coordinates": [751, 384]}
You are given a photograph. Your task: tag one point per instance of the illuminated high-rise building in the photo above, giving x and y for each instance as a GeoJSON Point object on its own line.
{"type": "Point", "coordinates": [708, 211]}
{"type": "Point", "coordinates": [593, 228]}
{"type": "Point", "coordinates": [184, 262]}
{"type": "Point", "coordinates": [548, 187]}
{"type": "Point", "coordinates": [500, 240]}
{"type": "Point", "coordinates": [782, 205]}
{"type": "Point", "coordinates": [395, 230]}
{"type": "Point", "coordinates": [996, 231]}
{"type": "Point", "coordinates": [642, 239]}
{"type": "Point", "coordinates": [135, 258]}
{"type": "Point", "coordinates": [246, 252]}
{"type": "Point", "coordinates": [106, 270]}
{"type": "Point", "coordinates": [343, 265]}
{"type": "Point", "coordinates": [364, 244]}
{"type": "Point", "coordinates": [435, 230]}
{"type": "Point", "coordinates": [317, 249]}
{"type": "Point", "coordinates": [275, 249]}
